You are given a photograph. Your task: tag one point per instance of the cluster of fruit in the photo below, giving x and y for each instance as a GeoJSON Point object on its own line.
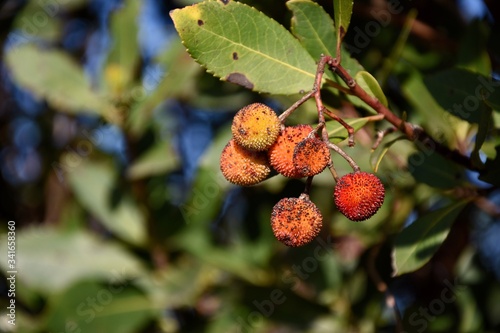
{"type": "Point", "coordinates": [261, 143]}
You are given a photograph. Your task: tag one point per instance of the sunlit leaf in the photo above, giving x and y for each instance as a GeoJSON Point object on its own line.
{"type": "Point", "coordinates": [241, 45]}
{"type": "Point", "coordinates": [416, 244]}
{"type": "Point", "coordinates": [378, 155]}
{"type": "Point", "coordinates": [315, 30]}
{"type": "Point", "coordinates": [54, 76]}
{"type": "Point", "coordinates": [343, 12]}
{"type": "Point", "coordinates": [371, 86]}
{"type": "Point", "coordinates": [471, 317]}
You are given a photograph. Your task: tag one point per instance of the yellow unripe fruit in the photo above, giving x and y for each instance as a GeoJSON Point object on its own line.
{"type": "Point", "coordinates": [256, 127]}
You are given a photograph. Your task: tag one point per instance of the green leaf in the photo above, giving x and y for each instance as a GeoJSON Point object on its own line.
{"type": "Point", "coordinates": [471, 316]}
{"type": "Point", "coordinates": [434, 119]}
{"type": "Point", "coordinates": [460, 92]}
{"type": "Point", "coordinates": [124, 54]}
{"type": "Point", "coordinates": [54, 76]}
{"type": "Point", "coordinates": [432, 169]}
{"type": "Point", "coordinates": [160, 159]}
{"type": "Point", "coordinates": [371, 86]}
{"type": "Point", "coordinates": [378, 155]}
{"type": "Point", "coordinates": [25, 28]}
{"type": "Point", "coordinates": [343, 12]}
{"type": "Point", "coordinates": [180, 284]}
{"type": "Point", "coordinates": [96, 307]}
{"type": "Point", "coordinates": [416, 244]}
{"type": "Point", "coordinates": [92, 183]}
{"type": "Point", "coordinates": [50, 260]}
{"type": "Point", "coordinates": [314, 28]}
{"type": "Point", "coordinates": [241, 45]}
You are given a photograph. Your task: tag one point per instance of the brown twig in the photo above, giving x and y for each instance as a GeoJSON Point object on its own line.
{"type": "Point", "coordinates": [342, 153]}
{"type": "Point", "coordinates": [381, 135]}
{"type": "Point", "coordinates": [308, 186]}
{"type": "Point", "coordinates": [412, 132]}
{"type": "Point", "coordinates": [321, 117]}
{"type": "Point", "coordinates": [331, 167]}
{"type": "Point", "coordinates": [322, 109]}
{"type": "Point", "coordinates": [339, 87]}
{"type": "Point", "coordinates": [295, 105]}
{"type": "Point", "coordinates": [349, 128]}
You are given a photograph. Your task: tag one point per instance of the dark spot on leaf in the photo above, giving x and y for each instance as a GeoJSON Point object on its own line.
{"type": "Point", "coordinates": [225, 1]}
{"type": "Point", "coordinates": [342, 31]}
{"type": "Point", "coordinates": [200, 22]}
{"type": "Point", "coordinates": [240, 79]}
{"type": "Point", "coordinates": [235, 56]}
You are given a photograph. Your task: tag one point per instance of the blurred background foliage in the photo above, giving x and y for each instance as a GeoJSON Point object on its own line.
{"type": "Point", "coordinates": [110, 137]}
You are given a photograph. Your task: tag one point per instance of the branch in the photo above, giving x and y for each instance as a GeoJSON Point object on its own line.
{"type": "Point", "coordinates": [412, 132]}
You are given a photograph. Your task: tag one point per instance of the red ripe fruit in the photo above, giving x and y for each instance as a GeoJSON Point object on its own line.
{"type": "Point", "coordinates": [296, 221]}
{"type": "Point", "coordinates": [359, 195]}
{"type": "Point", "coordinates": [281, 152]}
{"type": "Point", "coordinates": [242, 166]}
{"type": "Point", "coordinates": [310, 157]}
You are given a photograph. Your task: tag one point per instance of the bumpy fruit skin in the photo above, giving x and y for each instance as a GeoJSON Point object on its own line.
{"type": "Point", "coordinates": [296, 221]}
{"type": "Point", "coordinates": [281, 152]}
{"type": "Point", "coordinates": [242, 166]}
{"type": "Point", "coordinates": [359, 195]}
{"type": "Point", "coordinates": [311, 156]}
{"type": "Point", "coordinates": [256, 127]}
